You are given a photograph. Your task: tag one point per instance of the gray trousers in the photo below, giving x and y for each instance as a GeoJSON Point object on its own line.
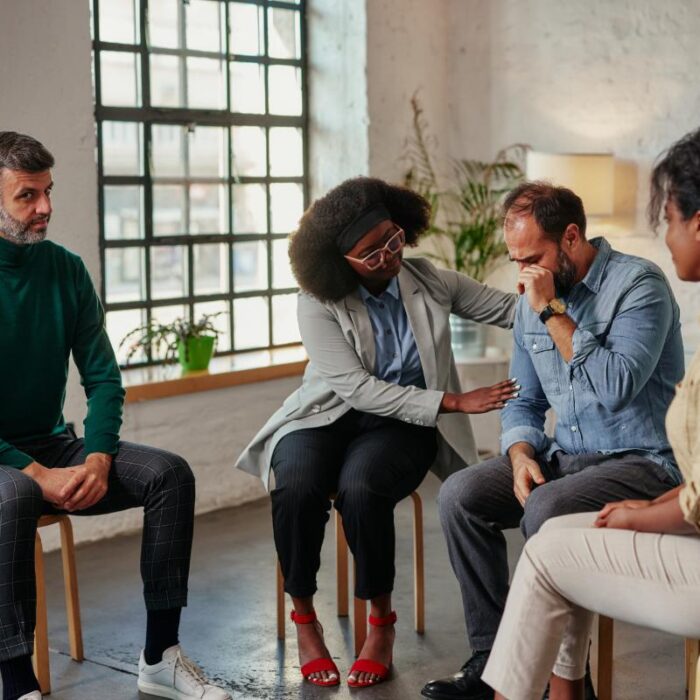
{"type": "Point", "coordinates": [158, 481]}
{"type": "Point", "coordinates": [478, 503]}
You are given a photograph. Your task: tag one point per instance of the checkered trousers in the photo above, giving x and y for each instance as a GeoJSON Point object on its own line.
{"type": "Point", "coordinates": [159, 481]}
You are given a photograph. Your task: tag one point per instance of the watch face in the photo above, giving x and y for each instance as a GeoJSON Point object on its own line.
{"type": "Point", "coordinates": [558, 306]}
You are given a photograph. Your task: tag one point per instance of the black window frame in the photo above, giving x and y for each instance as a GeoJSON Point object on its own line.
{"type": "Point", "coordinates": [147, 116]}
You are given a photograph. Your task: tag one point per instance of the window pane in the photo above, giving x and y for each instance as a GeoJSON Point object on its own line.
{"type": "Point", "coordinates": [119, 323]}
{"type": "Point", "coordinates": [286, 155]}
{"type": "Point", "coordinates": [287, 204]}
{"type": "Point", "coordinates": [249, 266]}
{"type": "Point", "coordinates": [123, 212]}
{"type": "Point", "coordinates": [282, 276]}
{"type": "Point", "coordinates": [204, 20]}
{"type": "Point", "coordinates": [283, 33]}
{"type": "Point", "coordinates": [166, 82]}
{"type": "Point", "coordinates": [118, 21]}
{"type": "Point", "coordinates": [284, 319]}
{"type": "Point", "coordinates": [120, 79]}
{"type": "Point", "coordinates": [206, 83]}
{"type": "Point", "coordinates": [168, 271]}
{"type": "Point", "coordinates": [124, 274]}
{"type": "Point", "coordinates": [285, 90]}
{"type": "Point", "coordinates": [168, 210]}
{"type": "Point", "coordinates": [247, 29]}
{"type": "Point", "coordinates": [211, 269]}
{"type": "Point", "coordinates": [221, 322]}
{"type": "Point", "coordinates": [163, 23]}
{"type": "Point", "coordinates": [249, 209]}
{"type": "Point", "coordinates": [122, 148]}
{"type": "Point", "coordinates": [247, 88]}
{"type": "Point", "coordinates": [208, 210]}
{"type": "Point", "coordinates": [208, 154]}
{"type": "Point", "coordinates": [250, 323]}
{"type": "Point", "coordinates": [249, 151]}
{"type": "Point", "coordinates": [167, 151]}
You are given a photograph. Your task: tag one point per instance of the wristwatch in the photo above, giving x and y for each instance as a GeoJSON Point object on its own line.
{"type": "Point", "coordinates": [554, 308]}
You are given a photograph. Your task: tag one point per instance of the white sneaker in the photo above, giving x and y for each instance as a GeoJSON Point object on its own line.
{"type": "Point", "coordinates": [34, 695]}
{"type": "Point", "coordinates": [177, 677]}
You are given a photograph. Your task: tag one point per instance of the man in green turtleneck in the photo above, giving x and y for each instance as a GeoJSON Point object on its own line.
{"type": "Point", "coordinates": [49, 310]}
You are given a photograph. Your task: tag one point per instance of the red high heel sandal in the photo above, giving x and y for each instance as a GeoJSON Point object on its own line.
{"type": "Point", "coordinates": [367, 665]}
{"type": "Point", "coordinates": [317, 665]}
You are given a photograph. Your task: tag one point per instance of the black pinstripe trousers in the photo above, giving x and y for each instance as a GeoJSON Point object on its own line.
{"type": "Point", "coordinates": [371, 463]}
{"type": "Point", "coordinates": [159, 481]}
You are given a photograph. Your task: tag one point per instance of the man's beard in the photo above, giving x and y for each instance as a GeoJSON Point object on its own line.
{"type": "Point", "coordinates": [565, 276]}
{"type": "Point", "coordinates": [19, 232]}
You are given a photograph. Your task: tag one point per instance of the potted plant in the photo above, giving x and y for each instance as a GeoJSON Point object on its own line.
{"type": "Point", "coordinates": [192, 343]}
{"type": "Point", "coordinates": [466, 221]}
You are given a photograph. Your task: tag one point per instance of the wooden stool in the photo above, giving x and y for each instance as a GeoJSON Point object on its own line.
{"type": "Point", "coordinates": [605, 662]}
{"type": "Point", "coordinates": [70, 580]}
{"type": "Point", "coordinates": [360, 606]}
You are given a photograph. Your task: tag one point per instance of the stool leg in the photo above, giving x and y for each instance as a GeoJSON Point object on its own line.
{"type": "Point", "coordinates": [605, 657]}
{"type": "Point", "coordinates": [418, 565]}
{"type": "Point", "coordinates": [41, 637]}
{"type": "Point", "coordinates": [341, 565]}
{"type": "Point", "coordinates": [359, 619]}
{"type": "Point", "coordinates": [280, 603]}
{"type": "Point", "coordinates": [692, 650]}
{"type": "Point", "coordinates": [70, 580]}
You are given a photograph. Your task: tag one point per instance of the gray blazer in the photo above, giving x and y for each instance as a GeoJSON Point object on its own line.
{"type": "Point", "coordinates": [339, 341]}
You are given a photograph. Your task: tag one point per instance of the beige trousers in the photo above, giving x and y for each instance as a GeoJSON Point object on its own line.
{"type": "Point", "coordinates": [570, 570]}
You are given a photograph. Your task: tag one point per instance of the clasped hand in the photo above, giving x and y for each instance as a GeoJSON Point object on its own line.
{"type": "Point", "coordinates": [74, 488]}
{"type": "Point", "coordinates": [537, 283]}
{"type": "Point", "coordinates": [620, 514]}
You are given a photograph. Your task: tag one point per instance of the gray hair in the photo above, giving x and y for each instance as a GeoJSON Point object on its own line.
{"type": "Point", "coordinates": [22, 152]}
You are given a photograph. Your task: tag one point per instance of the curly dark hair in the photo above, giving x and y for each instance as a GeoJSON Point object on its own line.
{"type": "Point", "coordinates": [676, 176]}
{"type": "Point", "coordinates": [317, 263]}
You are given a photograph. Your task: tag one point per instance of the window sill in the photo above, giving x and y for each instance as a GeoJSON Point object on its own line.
{"type": "Point", "coordinates": [150, 383]}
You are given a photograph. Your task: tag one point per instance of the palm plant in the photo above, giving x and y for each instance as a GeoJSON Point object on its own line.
{"type": "Point", "coordinates": [466, 219]}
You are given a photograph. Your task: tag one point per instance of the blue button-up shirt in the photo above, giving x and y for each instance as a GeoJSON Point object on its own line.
{"type": "Point", "coordinates": [628, 356]}
{"type": "Point", "coordinates": [397, 356]}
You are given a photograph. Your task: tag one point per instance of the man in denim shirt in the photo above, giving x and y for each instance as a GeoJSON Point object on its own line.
{"type": "Point", "coordinates": [597, 339]}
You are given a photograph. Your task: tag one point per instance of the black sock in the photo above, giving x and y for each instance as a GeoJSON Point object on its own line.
{"type": "Point", "coordinates": [161, 633]}
{"type": "Point", "coordinates": [18, 677]}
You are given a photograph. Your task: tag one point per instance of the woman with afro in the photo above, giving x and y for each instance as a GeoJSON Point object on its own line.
{"type": "Point", "coordinates": [368, 421]}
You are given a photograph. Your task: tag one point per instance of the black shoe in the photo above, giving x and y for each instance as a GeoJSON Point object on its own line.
{"type": "Point", "coordinates": [589, 691]}
{"type": "Point", "coordinates": [466, 684]}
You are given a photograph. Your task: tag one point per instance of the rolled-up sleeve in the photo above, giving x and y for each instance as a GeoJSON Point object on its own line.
{"type": "Point", "coordinates": [619, 365]}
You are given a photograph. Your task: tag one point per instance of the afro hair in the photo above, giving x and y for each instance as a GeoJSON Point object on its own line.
{"type": "Point", "coordinates": [317, 263]}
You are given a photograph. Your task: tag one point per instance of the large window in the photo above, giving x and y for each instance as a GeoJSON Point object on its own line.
{"type": "Point", "coordinates": [202, 152]}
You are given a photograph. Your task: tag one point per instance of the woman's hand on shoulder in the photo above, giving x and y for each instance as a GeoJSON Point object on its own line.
{"type": "Point", "coordinates": [482, 400]}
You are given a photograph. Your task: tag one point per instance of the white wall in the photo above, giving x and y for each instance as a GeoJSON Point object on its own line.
{"type": "Point", "coordinates": [617, 75]}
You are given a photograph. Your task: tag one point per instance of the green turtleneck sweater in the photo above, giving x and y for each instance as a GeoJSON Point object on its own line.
{"type": "Point", "coordinates": [48, 310]}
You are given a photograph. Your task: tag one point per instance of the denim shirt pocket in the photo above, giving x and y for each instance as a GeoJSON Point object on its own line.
{"type": "Point", "coordinates": [546, 360]}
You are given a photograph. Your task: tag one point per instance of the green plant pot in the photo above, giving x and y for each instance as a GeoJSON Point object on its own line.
{"type": "Point", "coordinates": [199, 352]}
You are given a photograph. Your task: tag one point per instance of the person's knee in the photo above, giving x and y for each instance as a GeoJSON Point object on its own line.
{"type": "Point", "coordinates": [359, 497]}
{"type": "Point", "coordinates": [169, 471]}
{"type": "Point", "coordinates": [459, 494]}
{"type": "Point", "coordinates": [542, 505]}
{"type": "Point", "coordinates": [20, 496]}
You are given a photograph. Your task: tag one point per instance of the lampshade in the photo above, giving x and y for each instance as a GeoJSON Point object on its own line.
{"type": "Point", "coordinates": [589, 175]}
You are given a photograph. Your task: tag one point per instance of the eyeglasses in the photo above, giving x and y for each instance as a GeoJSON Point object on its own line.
{"type": "Point", "coordinates": [376, 258]}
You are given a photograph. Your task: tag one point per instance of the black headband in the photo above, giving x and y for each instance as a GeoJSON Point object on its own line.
{"type": "Point", "coordinates": [358, 227]}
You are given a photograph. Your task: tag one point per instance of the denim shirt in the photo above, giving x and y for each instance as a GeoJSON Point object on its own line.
{"type": "Point", "coordinates": [628, 356]}
{"type": "Point", "coordinates": [397, 355]}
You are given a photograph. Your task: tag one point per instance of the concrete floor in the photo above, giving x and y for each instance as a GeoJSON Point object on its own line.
{"type": "Point", "coordinates": [230, 625]}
